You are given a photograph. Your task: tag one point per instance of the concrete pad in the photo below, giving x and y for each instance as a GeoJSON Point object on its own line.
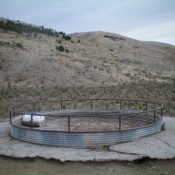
{"type": "Point", "coordinates": [161, 145]}
{"type": "Point", "coordinates": [158, 146]}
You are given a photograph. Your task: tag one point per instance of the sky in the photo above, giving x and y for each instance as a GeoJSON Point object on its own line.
{"type": "Point", "coordinates": [148, 20]}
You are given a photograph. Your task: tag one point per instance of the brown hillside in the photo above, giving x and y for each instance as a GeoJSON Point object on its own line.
{"type": "Point", "coordinates": [39, 66]}
{"type": "Point", "coordinates": [93, 58]}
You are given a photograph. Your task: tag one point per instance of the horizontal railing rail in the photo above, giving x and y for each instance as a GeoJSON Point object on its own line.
{"type": "Point", "coordinates": [156, 110]}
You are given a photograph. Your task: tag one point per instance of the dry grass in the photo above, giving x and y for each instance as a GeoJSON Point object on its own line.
{"type": "Point", "coordinates": [96, 66]}
{"type": "Point", "coordinates": [39, 63]}
{"type": "Point", "coordinates": [153, 91]}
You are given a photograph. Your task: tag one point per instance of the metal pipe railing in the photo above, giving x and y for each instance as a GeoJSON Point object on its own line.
{"type": "Point", "coordinates": [107, 114]}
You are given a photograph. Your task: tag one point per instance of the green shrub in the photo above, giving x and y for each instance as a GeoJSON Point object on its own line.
{"type": "Point", "coordinates": [61, 33]}
{"type": "Point", "coordinates": [67, 37]}
{"type": "Point", "coordinates": [19, 45]}
{"type": "Point", "coordinates": [67, 50]}
{"type": "Point", "coordinates": [58, 41]}
{"type": "Point", "coordinates": [60, 48]}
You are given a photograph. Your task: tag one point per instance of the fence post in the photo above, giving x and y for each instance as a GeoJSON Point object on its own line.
{"type": "Point", "coordinates": [32, 120]}
{"type": "Point", "coordinates": [119, 122]}
{"type": "Point", "coordinates": [68, 123]}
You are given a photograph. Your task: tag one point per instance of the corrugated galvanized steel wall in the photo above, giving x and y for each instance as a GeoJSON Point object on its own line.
{"type": "Point", "coordinates": [81, 139]}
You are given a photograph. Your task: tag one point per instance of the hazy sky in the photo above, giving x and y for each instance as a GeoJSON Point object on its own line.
{"type": "Point", "coordinates": [141, 19]}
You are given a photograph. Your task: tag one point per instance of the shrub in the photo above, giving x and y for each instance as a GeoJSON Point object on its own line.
{"type": "Point", "coordinates": [114, 38]}
{"type": "Point", "coordinates": [136, 47]}
{"type": "Point", "coordinates": [60, 48]}
{"type": "Point", "coordinates": [19, 45]}
{"type": "Point", "coordinates": [58, 41]}
{"type": "Point", "coordinates": [61, 33]}
{"type": "Point", "coordinates": [67, 37]}
{"type": "Point", "coordinates": [67, 50]}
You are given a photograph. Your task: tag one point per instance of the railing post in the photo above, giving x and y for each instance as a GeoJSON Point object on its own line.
{"type": "Point", "coordinates": [128, 104]}
{"type": "Point", "coordinates": [34, 108]}
{"type": "Point", "coordinates": [61, 104]}
{"type": "Point", "coordinates": [154, 116]}
{"type": "Point", "coordinates": [146, 106]}
{"type": "Point", "coordinates": [120, 104]}
{"type": "Point", "coordinates": [91, 104]}
{"type": "Point", "coordinates": [11, 113]}
{"type": "Point", "coordinates": [32, 120]}
{"type": "Point", "coordinates": [161, 111]}
{"type": "Point", "coordinates": [119, 122]}
{"type": "Point", "coordinates": [136, 104]}
{"type": "Point", "coordinates": [10, 116]}
{"type": "Point", "coordinates": [68, 122]}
